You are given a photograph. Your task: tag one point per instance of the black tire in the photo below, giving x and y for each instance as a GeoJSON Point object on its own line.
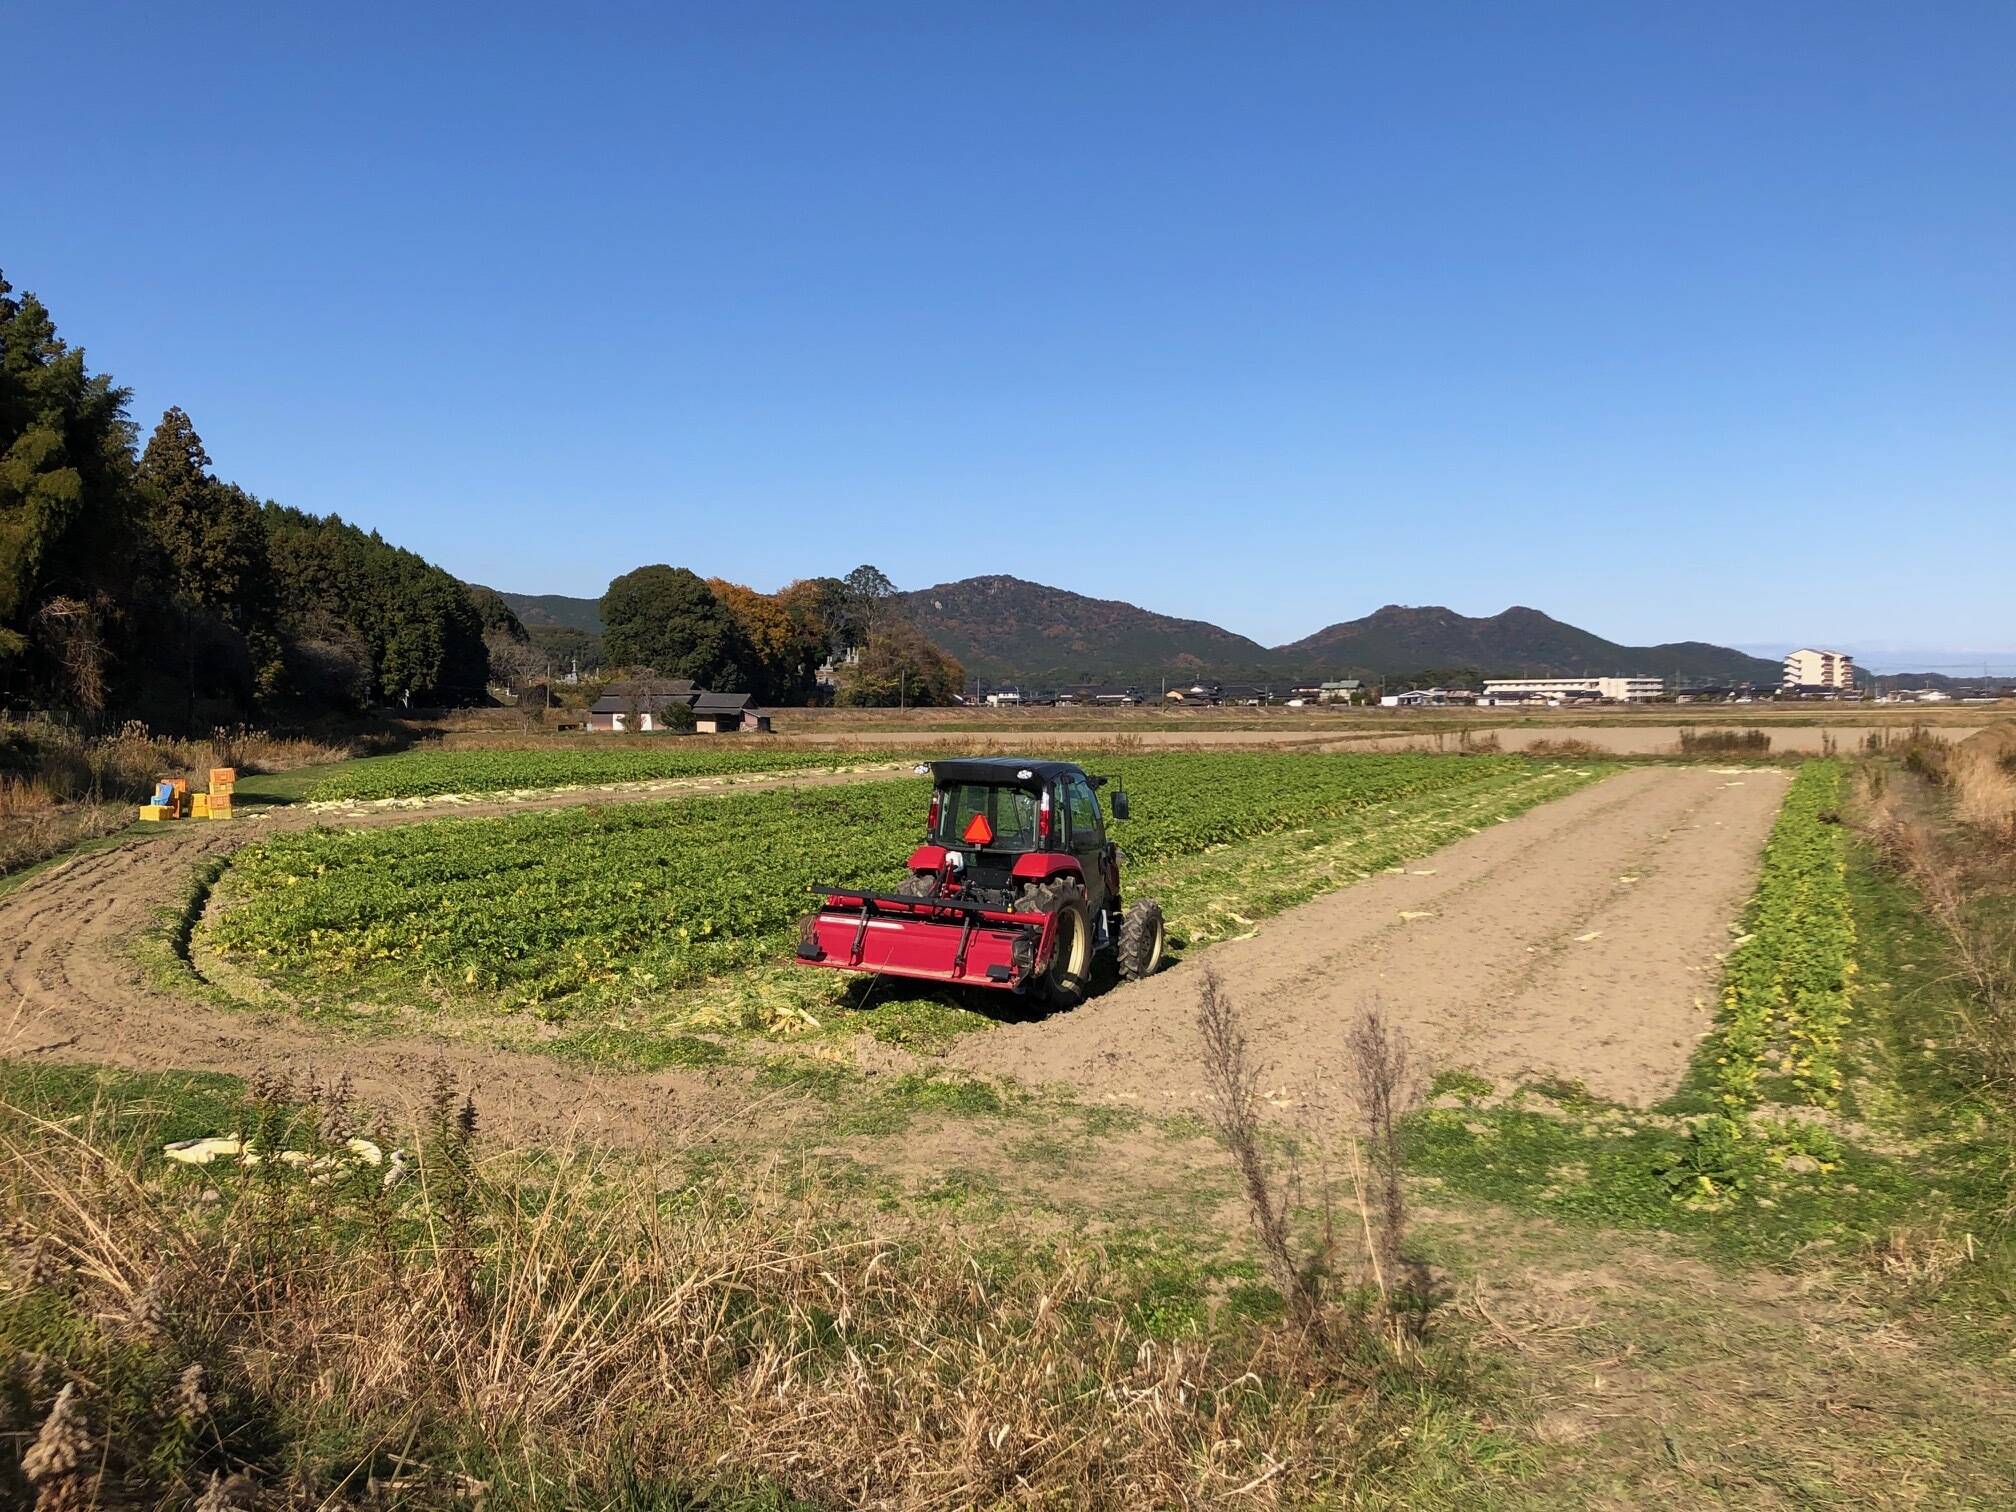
{"type": "Point", "coordinates": [1142, 941]}
{"type": "Point", "coordinates": [1064, 984]}
{"type": "Point", "coordinates": [919, 884]}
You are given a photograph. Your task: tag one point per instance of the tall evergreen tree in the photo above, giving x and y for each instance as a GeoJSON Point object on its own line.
{"type": "Point", "coordinates": [212, 543]}
{"type": "Point", "coordinates": [67, 529]}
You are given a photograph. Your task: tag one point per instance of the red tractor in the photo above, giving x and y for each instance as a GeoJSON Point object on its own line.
{"type": "Point", "coordinates": [1015, 887]}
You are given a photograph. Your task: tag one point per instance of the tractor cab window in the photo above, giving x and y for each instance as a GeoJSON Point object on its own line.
{"type": "Point", "coordinates": [1084, 812]}
{"type": "Point", "coordinates": [1009, 812]}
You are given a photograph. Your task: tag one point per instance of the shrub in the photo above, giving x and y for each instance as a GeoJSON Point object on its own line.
{"type": "Point", "coordinates": [1724, 743]}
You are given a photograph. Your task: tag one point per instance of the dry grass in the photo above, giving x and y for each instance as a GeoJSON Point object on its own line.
{"type": "Point", "coordinates": [59, 787]}
{"type": "Point", "coordinates": [69, 767]}
{"type": "Point", "coordinates": [37, 833]}
{"type": "Point", "coordinates": [1580, 750]}
{"type": "Point", "coordinates": [1984, 792]}
{"type": "Point", "coordinates": [585, 1324]}
{"type": "Point", "coordinates": [1724, 743]}
{"type": "Point", "coordinates": [1966, 890]}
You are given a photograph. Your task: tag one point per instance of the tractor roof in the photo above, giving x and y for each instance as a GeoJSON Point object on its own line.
{"type": "Point", "coordinates": [1003, 771]}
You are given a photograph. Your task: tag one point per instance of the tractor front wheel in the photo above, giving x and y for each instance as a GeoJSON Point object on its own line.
{"type": "Point", "coordinates": [1142, 940]}
{"type": "Point", "coordinates": [1063, 985]}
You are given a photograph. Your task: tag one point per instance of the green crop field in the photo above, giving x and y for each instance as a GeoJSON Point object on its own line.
{"type": "Point", "coordinates": [425, 774]}
{"type": "Point", "coordinates": [673, 904]}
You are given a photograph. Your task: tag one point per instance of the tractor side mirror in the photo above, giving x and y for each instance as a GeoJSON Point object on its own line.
{"type": "Point", "coordinates": [1119, 804]}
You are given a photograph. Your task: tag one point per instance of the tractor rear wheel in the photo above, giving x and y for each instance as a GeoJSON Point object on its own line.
{"type": "Point", "coordinates": [1142, 940]}
{"type": "Point", "coordinates": [1063, 985]}
{"type": "Point", "coordinates": [919, 884]}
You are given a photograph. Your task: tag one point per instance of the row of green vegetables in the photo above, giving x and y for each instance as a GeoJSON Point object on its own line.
{"type": "Point", "coordinates": [652, 896]}
{"type": "Point", "coordinates": [1791, 978]}
{"type": "Point", "coordinates": [1788, 990]}
{"type": "Point", "coordinates": [430, 773]}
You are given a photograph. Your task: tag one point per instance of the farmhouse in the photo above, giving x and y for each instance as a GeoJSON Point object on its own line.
{"type": "Point", "coordinates": [725, 714]}
{"type": "Point", "coordinates": [643, 705]}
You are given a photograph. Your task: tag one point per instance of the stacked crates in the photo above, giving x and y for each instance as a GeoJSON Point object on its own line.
{"type": "Point", "coordinates": [173, 800]}
{"type": "Point", "coordinates": [170, 801]}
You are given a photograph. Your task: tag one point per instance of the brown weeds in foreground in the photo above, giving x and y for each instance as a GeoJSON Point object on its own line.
{"type": "Point", "coordinates": [592, 1325]}
{"type": "Point", "coordinates": [1962, 901]}
{"type": "Point", "coordinates": [1312, 1290]}
{"type": "Point", "coordinates": [1386, 1091]}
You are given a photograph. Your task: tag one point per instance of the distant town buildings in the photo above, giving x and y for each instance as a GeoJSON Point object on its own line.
{"type": "Point", "coordinates": [1544, 689]}
{"type": "Point", "coordinates": [1810, 668]}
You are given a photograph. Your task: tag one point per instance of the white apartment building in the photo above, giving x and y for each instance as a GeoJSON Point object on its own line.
{"type": "Point", "coordinates": [1808, 668]}
{"type": "Point", "coordinates": [1615, 689]}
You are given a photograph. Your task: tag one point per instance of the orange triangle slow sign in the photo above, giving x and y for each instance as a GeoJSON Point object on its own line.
{"type": "Point", "coordinates": [979, 831]}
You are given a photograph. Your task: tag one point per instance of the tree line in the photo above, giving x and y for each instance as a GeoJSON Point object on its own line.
{"type": "Point", "coordinates": [671, 622]}
{"type": "Point", "coordinates": [135, 583]}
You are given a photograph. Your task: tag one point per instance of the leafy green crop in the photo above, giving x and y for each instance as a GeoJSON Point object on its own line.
{"type": "Point", "coordinates": [1792, 975]}
{"type": "Point", "coordinates": [643, 899]}
{"type": "Point", "coordinates": [424, 774]}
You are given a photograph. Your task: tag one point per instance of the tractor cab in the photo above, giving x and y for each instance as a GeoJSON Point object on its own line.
{"type": "Point", "coordinates": [997, 827]}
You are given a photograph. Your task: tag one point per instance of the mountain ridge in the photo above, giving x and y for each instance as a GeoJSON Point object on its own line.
{"type": "Point", "coordinates": [1008, 629]}
{"type": "Point", "coordinates": [1005, 628]}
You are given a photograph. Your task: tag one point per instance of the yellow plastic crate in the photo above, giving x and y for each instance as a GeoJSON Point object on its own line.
{"type": "Point", "coordinates": [153, 812]}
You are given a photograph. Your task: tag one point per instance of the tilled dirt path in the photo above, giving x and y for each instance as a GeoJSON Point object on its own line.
{"type": "Point", "coordinates": [1579, 940]}
{"type": "Point", "coordinates": [70, 990]}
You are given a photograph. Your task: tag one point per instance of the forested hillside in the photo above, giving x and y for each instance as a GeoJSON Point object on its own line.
{"type": "Point", "coordinates": [136, 583]}
{"type": "Point", "coordinates": [1006, 629]}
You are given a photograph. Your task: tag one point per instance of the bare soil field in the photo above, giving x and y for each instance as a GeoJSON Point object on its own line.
{"type": "Point", "coordinates": [1621, 739]}
{"type": "Point", "coordinates": [1580, 941]}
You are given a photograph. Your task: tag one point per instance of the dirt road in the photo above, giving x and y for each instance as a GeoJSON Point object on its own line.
{"type": "Point", "coordinates": [1577, 941]}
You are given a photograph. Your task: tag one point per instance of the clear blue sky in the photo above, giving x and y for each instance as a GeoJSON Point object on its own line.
{"type": "Point", "coordinates": [1672, 320]}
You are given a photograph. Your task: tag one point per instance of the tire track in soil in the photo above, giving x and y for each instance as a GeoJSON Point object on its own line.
{"type": "Point", "coordinates": [1528, 954]}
